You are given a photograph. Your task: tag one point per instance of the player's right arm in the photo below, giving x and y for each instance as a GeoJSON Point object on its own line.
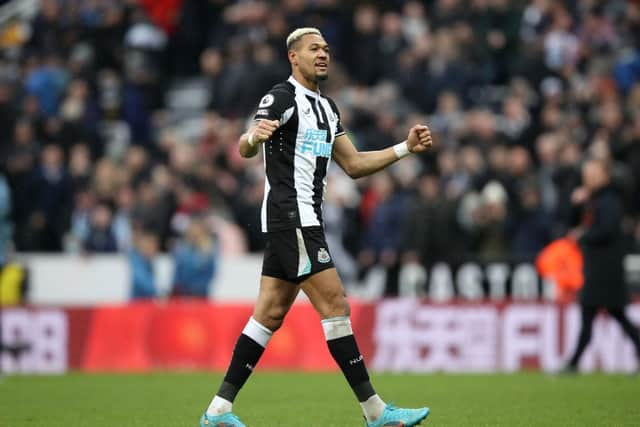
{"type": "Point", "coordinates": [260, 132]}
{"type": "Point", "coordinates": [274, 110]}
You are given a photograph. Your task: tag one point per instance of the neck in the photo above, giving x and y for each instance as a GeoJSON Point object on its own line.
{"type": "Point", "coordinates": [311, 85]}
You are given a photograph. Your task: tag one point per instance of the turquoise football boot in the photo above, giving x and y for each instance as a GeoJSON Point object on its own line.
{"type": "Point", "coordinates": [224, 420]}
{"type": "Point", "coordinates": [399, 417]}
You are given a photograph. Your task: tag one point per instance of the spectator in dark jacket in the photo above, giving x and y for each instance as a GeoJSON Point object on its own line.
{"type": "Point", "coordinates": [531, 228]}
{"type": "Point", "coordinates": [101, 237]}
{"type": "Point", "coordinates": [383, 234]}
{"type": "Point", "coordinates": [600, 237]}
{"type": "Point", "coordinates": [430, 230]}
{"type": "Point", "coordinates": [50, 191]}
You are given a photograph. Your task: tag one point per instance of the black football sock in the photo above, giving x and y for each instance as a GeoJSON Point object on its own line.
{"type": "Point", "coordinates": [248, 350]}
{"type": "Point", "coordinates": [344, 349]}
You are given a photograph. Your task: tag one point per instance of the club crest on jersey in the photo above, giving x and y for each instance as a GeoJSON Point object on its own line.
{"type": "Point", "coordinates": [314, 142]}
{"type": "Point", "coordinates": [323, 256]}
{"type": "Point", "coordinates": [266, 100]}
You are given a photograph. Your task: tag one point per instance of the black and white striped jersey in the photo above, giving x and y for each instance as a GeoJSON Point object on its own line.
{"type": "Point", "coordinates": [297, 156]}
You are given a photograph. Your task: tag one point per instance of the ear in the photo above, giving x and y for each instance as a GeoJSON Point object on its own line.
{"type": "Point", "coordinates": [293, 57]}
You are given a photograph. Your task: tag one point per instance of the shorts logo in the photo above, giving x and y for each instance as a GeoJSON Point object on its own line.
{"type": "Point", "coordinates": [266, 100]}
{"type": "Point", "coordinates": [323, 256]}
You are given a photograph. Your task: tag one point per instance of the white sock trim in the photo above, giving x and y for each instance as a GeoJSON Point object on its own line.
{"type": "Point", "coordinates": [336, 327]}
{"type": "Point", "coordinates": [219, 406]}
{"type": "Point", "coordinates": [373, 408]}
{"type": "Point", "coordinates": [257, 332]}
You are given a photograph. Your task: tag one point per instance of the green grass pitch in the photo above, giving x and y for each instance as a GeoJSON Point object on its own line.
{"type": "Point", "coordinates": [273, 399]}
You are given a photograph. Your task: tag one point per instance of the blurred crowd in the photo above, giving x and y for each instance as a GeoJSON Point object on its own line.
{"type": "Point", "coordinates": [119, 122]}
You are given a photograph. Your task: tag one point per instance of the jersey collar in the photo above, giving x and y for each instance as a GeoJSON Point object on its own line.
{"type": "Point", "coordinates": [303, 89]}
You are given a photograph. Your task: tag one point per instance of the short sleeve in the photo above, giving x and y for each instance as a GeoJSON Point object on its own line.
{"type": "Point", "coordinates": [274, 104]}
{"type": "Point", "coordinates": [334, 107]}
{"type": "Point", "coordinates": [339, 128]}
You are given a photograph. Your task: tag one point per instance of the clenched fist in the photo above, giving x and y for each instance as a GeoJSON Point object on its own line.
{"type": "Point", "coordinates": [419, 139]}
{"type": "Point", "coordinates": [263, 130]}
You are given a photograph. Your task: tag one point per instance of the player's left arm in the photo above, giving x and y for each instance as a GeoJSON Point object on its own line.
{"type": "Point", "coordinates": [362, 163]}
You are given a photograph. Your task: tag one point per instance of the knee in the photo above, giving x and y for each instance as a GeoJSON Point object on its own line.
{"type": "Point", "coordinates": [272, 317]}
{"type": "Point", "coordinates": [336, 305]}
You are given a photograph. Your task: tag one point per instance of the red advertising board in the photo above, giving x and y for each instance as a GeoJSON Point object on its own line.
{"type": "Point", "coordinates": [393, 335]}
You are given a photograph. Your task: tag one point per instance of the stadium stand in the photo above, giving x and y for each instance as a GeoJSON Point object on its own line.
{"type": "Point", "coordinates": [121, 117]}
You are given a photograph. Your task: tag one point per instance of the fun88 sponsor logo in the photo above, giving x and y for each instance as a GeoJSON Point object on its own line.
{"type": "Point", "coordinates": [314, 142]}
